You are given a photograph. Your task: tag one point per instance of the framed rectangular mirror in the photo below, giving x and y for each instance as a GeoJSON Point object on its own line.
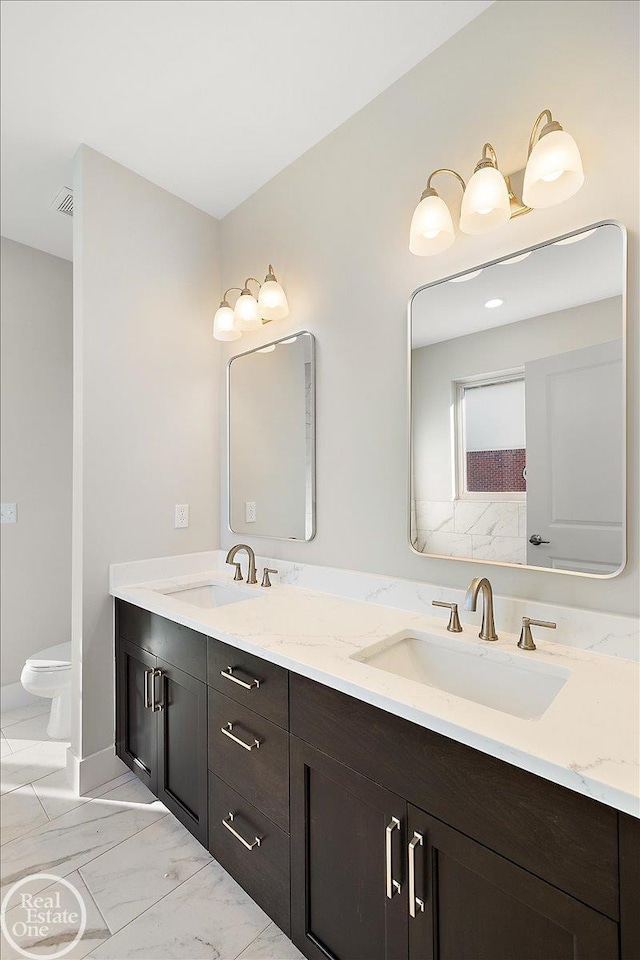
{"type": "Point", "coordinates": [517, 408]}
{"type": "Point", "coordinates": [271, 440]}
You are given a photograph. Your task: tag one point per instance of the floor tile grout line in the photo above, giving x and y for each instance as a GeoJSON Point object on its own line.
{"type": "Point", "coordinates": [51, 822]}
{"type": "Point", "coordinates": [81, 801]}
{"type": "Point", "coordinates": [156, 902]}
{"type": "Point", "coordinates": [244, 949]}
{"type": "Point", "coordinates": [34, 717]}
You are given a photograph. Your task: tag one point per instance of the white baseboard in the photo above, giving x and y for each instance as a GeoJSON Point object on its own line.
{"type": "Point", "coordinates": [92, 771]}
{"type": "Point", "coordinates": [14, 695]}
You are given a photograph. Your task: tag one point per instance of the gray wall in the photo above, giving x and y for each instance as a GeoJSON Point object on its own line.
{"type": "Point", "coordinates": [335, 225]}
{"type": "Point", "coordinates": [146, 409]}
{"type": "Point", "coordinates": [36, 324]}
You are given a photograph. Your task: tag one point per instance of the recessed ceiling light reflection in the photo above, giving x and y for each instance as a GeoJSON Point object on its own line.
{"type": "Point", "coordinates": [496, 302]}
{"type": "Point", "coordinates": [268, 349]}
{"type": "Point", "coordinates": [575, 239]}
{"type": "Point", "coordinates": [518, 259]}
{"type": "Point", "coordinates": [466, 276]}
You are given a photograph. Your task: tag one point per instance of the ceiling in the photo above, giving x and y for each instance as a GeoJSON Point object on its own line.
{"type": "Point", "coordinates": [206, 99]}
{"type": "Point", "coordinates": [555, 277]}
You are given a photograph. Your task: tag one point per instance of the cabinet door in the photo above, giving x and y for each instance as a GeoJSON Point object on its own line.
{"type": "Point", "coordinates": [348, 837]}
{"type": "Point", "coordinates": [182, 746]}
{"type": "Point", "coordinates": [477, 905]}
{"type": "Point", "coordinates": [136, 723]}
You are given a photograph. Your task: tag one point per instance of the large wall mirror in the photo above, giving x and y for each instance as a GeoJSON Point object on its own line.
{"type": "Point", "coordinates": [271, 437]}
{"type": "Point", "coordinates": [517, 379]}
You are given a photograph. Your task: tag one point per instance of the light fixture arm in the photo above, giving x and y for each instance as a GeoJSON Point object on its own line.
{"type": "Point", "coordinates": [246, 284]}
{"type": "Point", "coordinates": [536, 132]}
{"type": "Point", "coordinates": [446, 170]}
{"type": "Point", "coordinates": [224, 296]}
{"type": "Point", "coordinates": [487, 160]}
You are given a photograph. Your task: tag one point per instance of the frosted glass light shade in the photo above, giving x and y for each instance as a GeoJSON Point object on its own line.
{"type": "Point", "coordinates": [485, 202]}
{"type": "Point", "coordinates": [272, 301]}
{"type": "Point", "coordinates": [224, 327]}
{"type": "Point", "coordinates": [554, 170]}
{"type": "Point", "coordinates": [247, 313]}
{"type": "Point", "coordinates": [431, 227]}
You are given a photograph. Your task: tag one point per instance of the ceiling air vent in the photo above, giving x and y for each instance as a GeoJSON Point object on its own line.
{"type": "Point", "coordinates": [63, 202]}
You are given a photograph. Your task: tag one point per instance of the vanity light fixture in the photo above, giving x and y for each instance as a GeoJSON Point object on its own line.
{"type": "Point", "coordinates": [250, 312]}
{"type": "Point", "coordinates": [553, 173]}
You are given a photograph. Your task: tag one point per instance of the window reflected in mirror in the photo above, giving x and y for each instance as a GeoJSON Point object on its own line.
{"type": "Point", "coordinates": [517, 409]}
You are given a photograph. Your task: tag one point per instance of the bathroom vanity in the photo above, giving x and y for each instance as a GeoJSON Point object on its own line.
{"type": "Point", "coordinates": [361, 833]}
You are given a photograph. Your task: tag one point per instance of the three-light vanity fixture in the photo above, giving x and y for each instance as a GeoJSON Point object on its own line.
{"type": "Point", "coordinates": [249, 312]}
{"type": "Point", "coordinates": [553, 173]}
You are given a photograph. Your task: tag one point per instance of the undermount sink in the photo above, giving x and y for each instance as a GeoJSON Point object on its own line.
{"type": "Point", "coordinates": [493, 678]}
{"type": "Point", "coordinates": [209, 595]}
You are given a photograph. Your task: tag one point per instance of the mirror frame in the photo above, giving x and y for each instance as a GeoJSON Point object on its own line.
{"type": "Point", "coordinates": [310, 528]}
{"type": "Point", "coordinates": [625, 464]}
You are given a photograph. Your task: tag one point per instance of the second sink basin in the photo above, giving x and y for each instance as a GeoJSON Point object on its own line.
{"type": "Point", "coordinates": [491, 677]}
{"type": "Point", "coordinates": [209, 595]}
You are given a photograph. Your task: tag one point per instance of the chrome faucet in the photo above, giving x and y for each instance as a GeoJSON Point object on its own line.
{"type": "Point", "coordinates": [482, 585]}
{"type": "Point", "coordinates": [251, 572]}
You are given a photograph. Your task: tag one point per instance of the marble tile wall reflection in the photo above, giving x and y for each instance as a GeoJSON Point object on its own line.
{"type": "Point", "coordinates": [477, 529]}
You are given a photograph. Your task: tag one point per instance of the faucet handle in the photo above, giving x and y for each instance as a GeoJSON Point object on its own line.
{"type": "Point", "coordinates": [454, 620]}
{"type": "Point", "coordinates": [526, 637]}
{"type": "Point", "coordinates": [266, 582]}
{"type": "Point", "coordinates": [238, 574]}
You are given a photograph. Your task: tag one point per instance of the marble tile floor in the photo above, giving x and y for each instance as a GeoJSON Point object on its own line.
{"type": "Point", "coordinates": [151, 891]}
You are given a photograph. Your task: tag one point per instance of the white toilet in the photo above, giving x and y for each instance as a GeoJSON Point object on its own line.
{"type": "Point", "coordinates": [48, 674]}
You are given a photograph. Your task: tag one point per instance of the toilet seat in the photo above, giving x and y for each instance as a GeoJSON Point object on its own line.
{"type": "Point", "coordinates": [51, 659]}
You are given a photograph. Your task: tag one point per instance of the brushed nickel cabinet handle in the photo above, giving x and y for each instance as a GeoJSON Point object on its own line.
{"type": "Point", "coordinates": [147, 695]}
{"type": "Point", "coordinates": [228, 675]}
{"type": "Point", "coordinates": [228, 732]}
{"type": "Point", "coordinates": [415, 903]}
{"type": "Point", "coordinates": [156, 707]}
{"type": "Point", "coordinates": [392, 885]}
{"type": "Point", "coordinates": [227, 821]}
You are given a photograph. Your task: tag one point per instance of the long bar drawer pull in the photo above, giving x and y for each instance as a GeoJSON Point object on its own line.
{"type": "Point", "coordinates": [393, 886]}
{"type": "Point", "coordinates": [415, 903]}
{"type": "Point", "coordinates": [228, 732]}
{"type": "Point", "coordinates": [155, 706]}
{"type": "Point", "coordinates": [228, 675]}
{"type": "Point", "coordinates": [147, 694]}
{"type": "Point", "coordinates": [245, 843]}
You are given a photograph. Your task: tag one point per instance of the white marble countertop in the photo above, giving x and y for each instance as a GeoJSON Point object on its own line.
{"type": "Point", "coordinates": [587, 740]}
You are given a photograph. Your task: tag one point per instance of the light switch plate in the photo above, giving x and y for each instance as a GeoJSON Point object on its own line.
{"type": "Point", "coordinates": [9, 512]}
{"type": "Point", "coordinates": [181, 516]}
{"type": "Point", "coordinates": [250, 511]}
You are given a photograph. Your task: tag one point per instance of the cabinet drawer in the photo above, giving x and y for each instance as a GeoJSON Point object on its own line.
{"type": "Point", "coordinates": [263, 870]}
{"type": "Point", "coordinates": [259, 685]}
{"type": "Point", "coordinates": [259, 773]}
{"type": "Point", "coordinates": [566, 839]}
{"type": "Point", "coordinates": [179, 645]}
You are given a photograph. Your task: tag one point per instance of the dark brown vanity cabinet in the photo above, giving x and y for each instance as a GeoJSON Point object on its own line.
{"type": "Point", "coordinates": [161, 712]}
{"type": "Point", "coordinates": [249, 774]}
{"type": "Point", "coordinates": [348, 872]}
{"type": "Point", "coordinates": [467, 903]}
{"type": "Point", "coordinates": [365, 836]}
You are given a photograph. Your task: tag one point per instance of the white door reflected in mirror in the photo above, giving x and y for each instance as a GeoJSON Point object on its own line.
{"type": "Point", "coordinates": [518, 409]}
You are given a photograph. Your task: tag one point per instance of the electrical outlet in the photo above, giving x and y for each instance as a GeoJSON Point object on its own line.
{"type": "Point", "coordinates": [250, 511]}
{"type": "Point", "coordinates": [181, 515]}
{"type": "Point", "coordinates": [9, 512]}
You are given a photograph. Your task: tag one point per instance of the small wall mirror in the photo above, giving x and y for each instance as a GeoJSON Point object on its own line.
{"type": "Point", "coordinates": [271, 437]}
{"type": "Point", "coordinates": [518, 408]}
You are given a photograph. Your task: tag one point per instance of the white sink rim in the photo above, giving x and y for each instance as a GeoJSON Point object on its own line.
{"type": "Point", "coordinates": [219, 594]}
{"type": "Point", "coordinates": [484, 661]}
